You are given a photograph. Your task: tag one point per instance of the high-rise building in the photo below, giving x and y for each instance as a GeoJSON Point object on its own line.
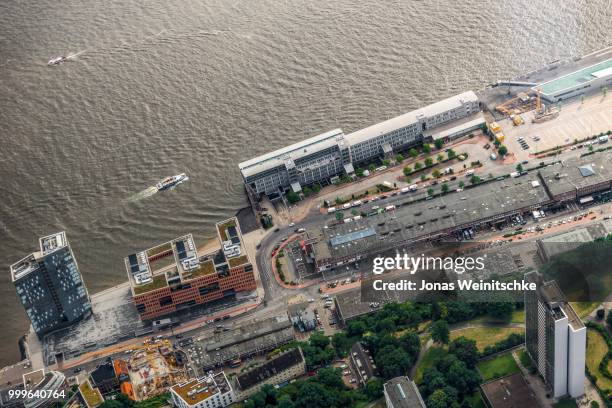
{"type": "Point", "coordinates": [50, 286]}
{"type": "Point", "coordinates": [173, 276]}
{"type": "Point", "coordinates": [555, 337]}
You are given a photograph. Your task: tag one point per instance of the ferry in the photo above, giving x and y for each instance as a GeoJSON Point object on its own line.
{"type": "Point", "coordinates": [172, 181]}
{"type": "Point", "coordinates": [57, 60]}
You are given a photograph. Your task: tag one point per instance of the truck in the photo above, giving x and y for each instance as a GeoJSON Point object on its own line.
{"type": "Point", "coordinates": [515, 174]}
{"type": "Point", "coordinates": [413, 187]}
{"type": "Point", "coordinates": [387, 184]}
{"type": "Point", "coordinates": [469, 173]}
{"type": "Point", "coordinates": [331, 210]}
{"type": "Point", "coordinates": [356, 203]}
{"type": "Point", "coordinates": [603, 139]}
{"type": "Point", "coordinates": [346, 206]}
{"type": "Point", "coordinates": [405, 190]}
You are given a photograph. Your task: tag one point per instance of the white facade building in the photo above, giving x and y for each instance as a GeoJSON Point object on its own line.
{"type": "Point", "coordinates": [209, 391]}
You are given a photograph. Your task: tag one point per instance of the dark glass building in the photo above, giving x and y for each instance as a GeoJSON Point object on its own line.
{"type": "Point", "coordinates": [50, 286]}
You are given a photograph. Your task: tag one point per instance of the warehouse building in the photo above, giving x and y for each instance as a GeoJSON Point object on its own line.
{"type": "Point", "coordinates": [320, 158]}
{"type": "Point", "coordinates": [578, 82]}
{"type": "Point", "coordinates": [173, 276]}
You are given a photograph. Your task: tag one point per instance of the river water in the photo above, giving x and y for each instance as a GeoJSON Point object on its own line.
{"type": "Point", "coordinates": [157, 88]}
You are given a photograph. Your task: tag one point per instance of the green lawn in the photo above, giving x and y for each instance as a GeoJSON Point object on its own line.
{"type": "Point", "coordinates": [486, 336]}
{"type": "Point", "coordinates": [525, 359]}
{"type": "Point", "coordinates": [476, 400]}
{"type": "Point", "coordinates": [596, 350]}
{"type": "Point", "coordinates": [430, 358]}
{"type": "Point", "coordinates": [498, 367]}
{"type": "Point", "coordinates": [566, 403]}
{"type": "Point", "coordinates": [518, 316]}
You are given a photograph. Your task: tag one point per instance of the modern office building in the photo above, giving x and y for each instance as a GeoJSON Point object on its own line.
{"type": "Point", "coordinates": [402, 392]}
{"type": "Point", "coordinates": [50, 286]}
{"type": "Point", "coordinates": [555, 338]}
{"type": "Point", "coordinates": [209, 391]}
{"type": "Point", "coordinates": [173, 276]}
{"type": "Point", "coordinates": [578, 82]}
{"type": "Point", "coordinates": [320, 158]}
{"type": "Point", "coordinates": [280, 369]}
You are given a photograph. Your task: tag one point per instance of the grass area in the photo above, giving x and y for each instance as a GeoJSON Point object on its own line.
{"type": "Point", "coordinates": [518, 316]}
{"type": "Point", "coordinates": [159, 281]}
{"type": "Point", "coordinates": [92, 397]}
{"type": "Point", "coordinates": [233, 262]}
{"type": "Point", "coordinates": [596, 350]}
{"type": "Point", "coordinates": [205, 268]}
{"type": "Point", "coordinates": [430, 359]}
{"type": "Point", "coordinates": [486, 336]}
{"type": "Point", "coordinates": [497, 367]}
{"type": "Point", "coordinates": [525, 359]}
{"type": "Point", "coordinates": [584, 309]}
{"type": "Point", "coordinates": [566, 403]}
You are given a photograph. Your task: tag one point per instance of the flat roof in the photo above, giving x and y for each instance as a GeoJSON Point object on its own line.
{"type": "Point", "coordinates": [410, 118]}
{"type": "Point", "coordinates": [199, 389]}
{"type": "Point", "coordinates": [152, 268]}
{"type": "Point", "coordinates": [457, 127]}
{"type": "Point", "coordinates": [403, 393]}
{"type": "Point", "coordinates": [570, 175]}
{"type": "Point", "coordinates": [509, 392]}
{"type": "Point", "coordinates": [291, 152]}
{"type": "Point", "coordinates": [579, 77]}
{"type": "Point", "coordinates": [270, 368]}
{"type": "Point", "coordinates": [47, 245]}
{"type": "Point", "coordinates": [411, 221]}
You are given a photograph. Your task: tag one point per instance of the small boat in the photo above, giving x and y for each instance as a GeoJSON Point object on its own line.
{"type": "Point", "coordinates": [172, 181]}
{"type": "Point", "coordinates": [57, 60]}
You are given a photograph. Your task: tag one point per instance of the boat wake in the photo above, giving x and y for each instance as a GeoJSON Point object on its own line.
{"type": "Point", "coordinates": [148, 192]}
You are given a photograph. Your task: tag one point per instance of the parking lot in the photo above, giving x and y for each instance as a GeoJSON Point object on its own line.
{"type": "Point", "coordinates": [576, 121]}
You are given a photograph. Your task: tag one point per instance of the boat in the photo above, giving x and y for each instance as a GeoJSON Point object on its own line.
{"type": "Point", "coordinates": [171, 181]}
{"type": "Point", "coordinates": [57, 60]}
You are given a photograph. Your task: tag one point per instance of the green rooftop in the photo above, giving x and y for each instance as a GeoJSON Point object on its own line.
{"type": "Point", "coordinates": [159, 281]}
{"type": "Point", "coordinates": [575, 78]}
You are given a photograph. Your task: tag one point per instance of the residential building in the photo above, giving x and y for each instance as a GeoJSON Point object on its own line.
{"type": "Point", "coordinates": [302, 316]}
{"type": "Point", "coordinates": [402, 392]}
{"type": "Point", "coordinates": [50, 286]}
{"type": "Point", "coordinates": [555, 338]}
{"type": "Point", "coordinates": [173, 276]}
{"type": "Point", "coordinates": [323, 157]}
{"type": "Point", "coordinates": [209, 391]}
{"type": "Point", "coordinates": [279, 369]}
{"type": "Point", "coordinates": [362, 364]}
{"type": "Point", "coordinates": [104, 378]}
{"type": "Point", "coordinates": [508, 392]}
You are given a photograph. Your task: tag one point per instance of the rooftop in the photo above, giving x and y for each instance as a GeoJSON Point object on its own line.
{"type": "Point", "coordinates": [410, 118]}
{"type": "Point", "coordinates": [197, 390]}
{"type": "Point", "coordinates": [178, 260]}
{"type": "Point", "coordinates": [551, 295]}
{"type": "Point", "coordinates": [578, 173]}
{"type": "Point", "coordinates": [270, 368]}
{"type": "Point", "coordinates": [509, 392]}
{"type": "Point", "coordinates": [581, 76]}
{"type": "Point", "coordinates": [403, 393]}
{"type": "Point", "coordinates": [91, 396]}
{"type": "Point", "coordinates": [291, 152]}
{"type": "Point", "coordinates": [48, 244]}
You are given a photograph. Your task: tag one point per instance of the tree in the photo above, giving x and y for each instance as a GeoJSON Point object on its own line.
{"type": "Point", "coordinates": [430, 191]}
{"type": "Point", "coordinates": [338, 200]}
{"type": "Point", "coordinates": [307, 191]}
{"type": "Point", "coordinates": [371, 167]}
{"type": "Point", "coordinates": [417, 166]}
{"type": "Point", "coordinates": [386, 162]}
{"type": "Point", "coordinates": [392, 361]}
{"type": "Point", "coordinates": [316, 188]}
{"type": "Point", "coordinates": [315, 395]}
{"type": "Point", "coordinates": [465, 350]}
{"type": "Point", "coordinates": [502, 150]}
{"type": "Point", "coordinates": [339, 216]}
{"type": "Point", "coordinates": [436, 173]}
{"type": "Point", "coordinates": [292, 197]}
{"type": "Point", "coordinates": [407, 171]}
{"type": "Point", "coordinates": [428, 161]}
{"type": "Point", "coordinates": [501, 310]}
{"type": "Point", "coordinates": [319, 340]}
{"type": "Point", "coordinates": [426, 148]}
{"type": "Point", "coordinates": [439, 331]}
{"type": "Point", "coordinates": [439, 143]}
{"type": "Point", "coordinates": [594, 404]}
{"type": "Point", "coordinates": [413, 153]}
{"type": "Point", "coordinates": [444, 188]}
{"type": "Point", "coordinates": [440, 157]}
{"type": "Point", "coordinates": [374, 389]}
{"type": "Point", "coordinates": [601, 313]}
{"type": "Point", "coordinates": [284, 401]}
{"type": "Point", "coordinates": [359, 172]}
{"type": "Point", "coordinates": [439, 399]}
{"type": "Point", "coordinates": [609, 319]}
{"type": "Point", "coordinates": [411, 343]}
{"type": "Point", "coordinates": [475, 180]}
{"type": "Point", "coordinates": [399, 158]}
{"type": "Point", "coordinates": [451, 154]}
{"type": "Point", "coordinates": [354, 212]}
{"type": "Point", "coordinates": [519, 168]}
{"type": "Point", "coordinates": [461, 184]}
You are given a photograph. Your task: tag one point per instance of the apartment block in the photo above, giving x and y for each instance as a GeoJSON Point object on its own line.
{"type": "Point", "coordinates": [555, 338]}
{"type": "Point", "coordinates": [173, 276]}
{"type": "Point", "coordinates": [50, 286]}
{"type": "Point", "coordinates": [209, 391]}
